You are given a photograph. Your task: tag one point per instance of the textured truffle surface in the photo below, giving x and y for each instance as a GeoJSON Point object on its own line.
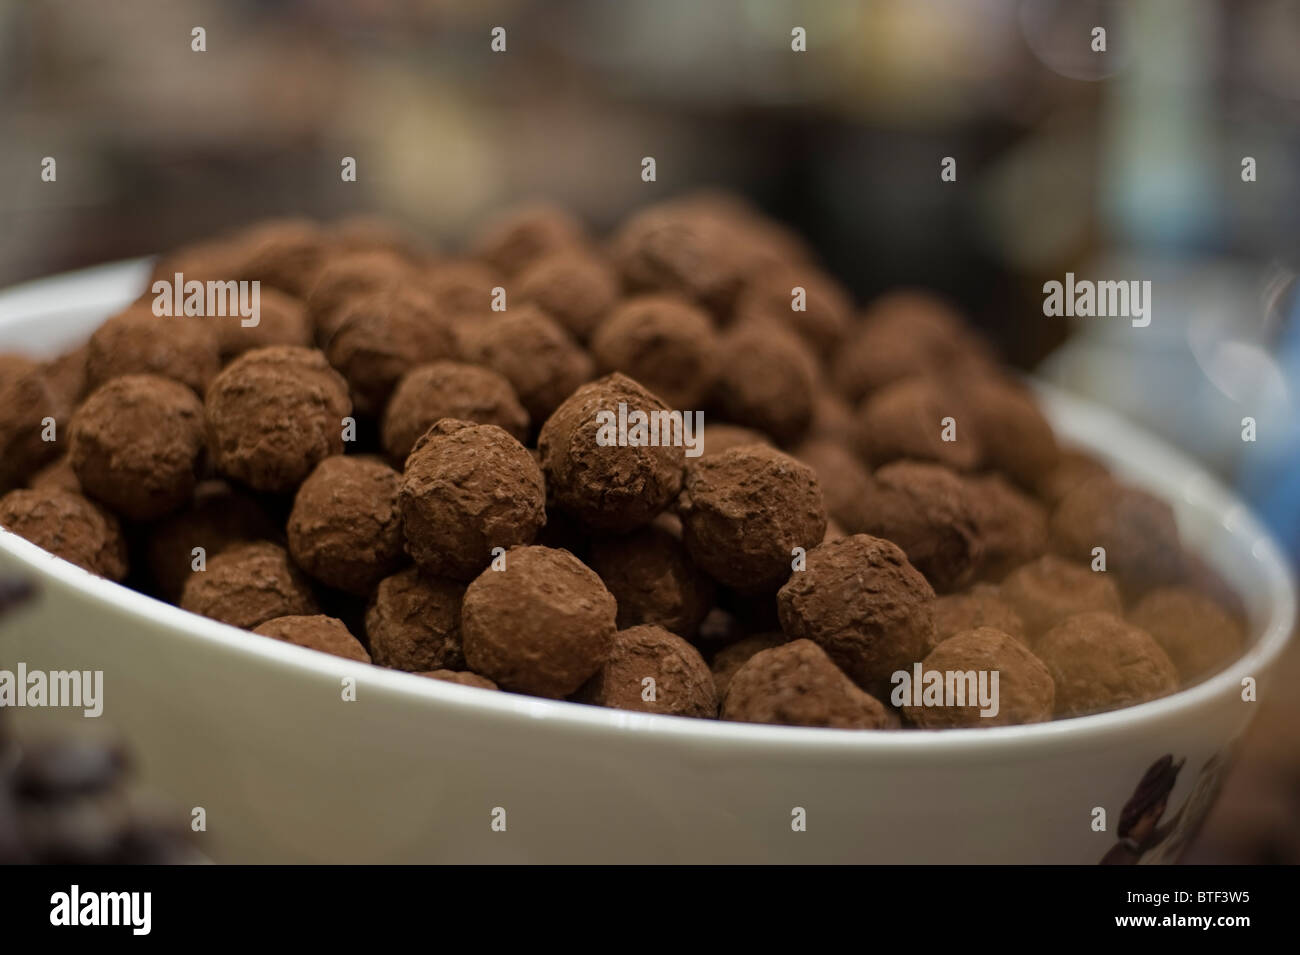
{"type": "Point", "coordinates": [519, 237]}
{"type": "Point", "coordinates": [797, 684]}
{"type": "Point", "coordinates": [1011, 525]}
{"type": "Point", "coordinates": [979, 607]}
{"type": "Point", "coordinates": [1099, 662]}
{"type": "Point", "coordinates": [573, 287]}
{"type": "Point", "coordinates": [447, 389]}
{"type": "Point", "coordinates": [1050, 589]}
{"type": "Point", "coordinates": [249, 584]}
{"type": "Point", "coordinates": [1199, 636]}
{"type": "Point", "coordinates": [663, 342]}
{"type": "Point", "coordinates": [25, 401]}
{"type": "Point", "coordinates": [1013, 435]}
{"type": "Point", "coordinates": [653, 579]}
{"type": "Point", "coordinates": [346, 277]}
{"type": "Point", "coordinates": [413, 622]}
{"type": "Point", "coordinates": [823, 319]}
{"type": "Point", "coordinates": [671, 249]}
{"type": "Point", "coordinates": [315, 632]}
{"type": "Point", "coordinates": [68, 526]}
{"type": "Point", "coordinates": [908, 420]}
{"type": "Point", "coordinates": [281, 320]}
{"type": "Point", "coordinates": [728, 660]}
{"type": "Point", "coordinates": [544, 625]}
{"type": "Point", "coordinates": [680, 683]}
{"type": "Point", "coordinates": [766, 380]}
{"type": "Point", "coordinates": [138, 342]}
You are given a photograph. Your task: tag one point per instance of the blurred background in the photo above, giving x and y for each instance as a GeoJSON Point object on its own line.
{"type": "Point", "coordinates": [1126, 163]}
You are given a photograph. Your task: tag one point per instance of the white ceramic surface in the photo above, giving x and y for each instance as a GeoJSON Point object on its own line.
{"type": "Point", "coordinates": [256, 732]}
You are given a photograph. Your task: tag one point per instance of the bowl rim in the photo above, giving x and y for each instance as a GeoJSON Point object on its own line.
{"type": "Point", "coordinates": [1196, 486]}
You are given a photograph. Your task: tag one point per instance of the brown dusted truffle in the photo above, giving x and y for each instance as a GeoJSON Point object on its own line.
{"type": "Point", "coordinates": [804, 299]}
{"type": "Point", "coordinates": [315, 632]}
{"type": "Point", "coordinates": [25, 401]}
{"type": "Point", "coordinates": [573, 287]}
{"type": "Point", "coordinates": [674, 249]}
{"type": "Point", "coordinates": [68, 526]}
{"type": "Point", "coordinates": [766, 380]}
{"type": "Point", "coordinates": [1012, 527]}
{"type": "Point", "coordinates": [135, 445]}
{"type": "Point", "coordinates": [728, 660]}
{"type": "Point", "coordinates": [344, 528]}
{"type": "Point", "coordinates": [281, 320]}
{"type": "Point", "coordinates": [519, 237]}
{"type": "Point", "coordinates": [138, 342]}
{"type": "Point", "coordinates": [743, 513]}
{"type": "Point", "coordinates": [1098, 662]}
{"type": "Point", "coordinates": [612, 455]}
{"type": "Point", "coordinates": [846, 485]}
{"type": "Point", "coordinates": [538, 357]}
{"type": "Point", "coordinates": [448, 389]}
{"type": "Point", "coordinates": [463, 677]}
{"type": "Point", "coordinates": [908, 420]}
{"type": "Point", "coordinates": [1011, 431]}
{"type": "Point", "coordinates": [653, 579]}
{"type": "Point", "coordinates": [1137, 530]}
{"type": "Point", "coordinates": [681, 682]}
{"type": "Point", "coordinates": [543, 625]}
{"type": "Point", "coordinates": [382, 336]}
{"type": "Point", "coordinates": [797, 684]}
{"type": "Point", "coordinates": [58, 475]}
{"type": "Point", "coordinates": [285, 254]}
{"type": "Point", "coordinates": [249, 584]}
{"type": "Point", "coordinates": [468, 489]}
{"type": "Point", "coordinates": [665, 343]}
{"type": "Point", "coordinates": [413, 622]}
{"type": "Point", "coordinates": [1024, 692]}
{"type": "Point", "coordinates": [926, 510]}
{"type": "Point", "coordinates": [1199, 637]}
{"type": "Point", "coordinates": [275, 413]}
{"type": "Point", "coordinates": [461, 289]}
{"type": "Point", "coordinates": [864, 604]}
{"type": "Point", "coordinates": [370, 233]}
{"type": "Point", "coordinates": [1073, 467]}
{"type": "Point", "coordinates": [719, 437]}
{"type": "Point", "coordinates": [981, 606]}
{"type": "Point", "coordinates": [65, 376]}
{"type": "Point", "coordinates": [345, 277]}
{"type": "Point", "coordinates": [218, 516]}
{"type": "Point", "coordinates": [1046, 591]}
{"type": "Point", "coordinates": [832, 419]}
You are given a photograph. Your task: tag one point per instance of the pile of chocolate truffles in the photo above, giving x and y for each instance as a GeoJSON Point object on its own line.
{"type": "Point", "coordinates": [408, 461]}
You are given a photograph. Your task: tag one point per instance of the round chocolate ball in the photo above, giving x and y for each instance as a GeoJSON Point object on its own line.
{"type": "Point", "coordinates": [462, 289]}
{"type": "Point", "coordinates": [653, 579]}
{"type": "Point", "coordinates": [1011, 525]}
{"type": "Point", "coordinates": [345, 529]}
{"type": "Point", "coordinates": [1198, 635]}
{"type": "Point", "coordinates": [467, 490]}
{"type": "Point", "coordinates": [573, 287]}
{"type": "Point", "coordinates": [315, 632]}
{"type": "Point", "coordinates": [802, 298]}
{"type": "Point", "coordinates": [652, 671]}
{"type": "Point", "coordinates": [1098, 662]}
{"type": "Point", "coordinates": [136, 443]}
{"type": "Point", "coordinates": [275, 413]}
{"type": "Point", "coordinates": [280, 320]}
{"type": "Point", "coordinates": [719, 436]}
{"type": "Point", "coordinates": [518, 237]}
{"type": "Point", "coordinates": [766, 380]}
{"type": "Point", "coordinates": [413, 622]}
{"type": "Point", "coordinates": [58, 475]}
{"type": "Point", "coordinates": [249, 584]}
{"type": "Point", "coordinates": [981, 606]}
{"type": "Point", "coordinates": [864, 604]}
{"type": "Point", "coordinates": [68, 526]}
{"type": "Point", "coordinates": [1024, 693]}
{"type": "Point", "coordinates": [910, 419]}
{"type": "Point", "coordinates": [729, 659]}
{"type": "Point", "coordinates": [448, 389]}
{"type": "Point", "coordinates": [65, 376]}
{"type": "Point", "coordinates": [26, 400]}
{"type": "Point", "coordinates": [285, 254]}
{"type": "Point", "coordinates": [138, 342]}
{"type": "Point", "coordinates": [745, 510]}
{"type": "Point", "coordinates": [599, 467]}
{"type": "Point", "coordinates": [797, 684]}
{"type": "Point", "coordinates": [543, 625]}
{"type": "Point", "coordinates": [348, 276]}
{"type": "Point", "coordinates": [1049, 589]}
{"type": "Point", "coordinates": [666, 249]}
{"type": "Point", "coordinates": [1013, 435]}
{"type": "Point", "coordinates": [665, 343]}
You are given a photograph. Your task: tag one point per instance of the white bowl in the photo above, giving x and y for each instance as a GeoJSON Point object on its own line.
{"type": "Point", "coordinates": [256, 732]}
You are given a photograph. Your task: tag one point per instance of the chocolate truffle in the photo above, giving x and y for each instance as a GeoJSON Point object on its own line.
{"type": "Point", "coordinates": [610, 477]}
{"type": "Point", "coordinates": [846, 485]}
{"type": "Point", "coordinates": [138, 342]}
{"type": "Point", "coordinates": [981, 606]}
{"type": "Point", "coordinates": [666, 249]}
{"type": "Point", "coordinates": [832, 419]}
{"type": "Point", "coordinates": [1073, 467]}
{"type": "Point", "coordinates": [798, 685]}
{"type": "Point", "coordinates": [218, 516]}
{"type": "Point", "coordinates": [864, 604]}
{"type": "Point", "coordinates": [819, 314]}
{"type": "Point", "coordinates": [58, 475]}
{"type": "Point", "coordinates": [249, 584]}
{"type": "Point", "coordinates": [518, 237]}
{"type": "Point", "coordinates": [1050, 589]}
{"type": "Point", "coordinates": [25, 401]}
{"type": "Point", "coordinates": [315, 632]}
{"type": "Point", "coordinates": [743, 513]}
{"type": "Point", "coordinates": [68, 526]}
{"type": "Point", "coordinates": [448, 389]}
{"type": "Point", "coordinates": [908, 420]}
{"type": "Point", "coordinates": [461, 289]}
{"type": "Point", "coordinates": [413, 622]}
{"type": "Point", "coordinates": [468, 489]}
{"type": "Point", "coordinates": [1012, 527]}
{"type": "Point", "coordinates": [728, 661]}
{"type": "Point", "coordinates": [285, 254]}
{"type": "Point", "coordinates": [275, 413]}
{"type": "Point", "coordinates": [681, 682]}
{"type": "Point", "coordinates": [281, 320]}
{"type": "Point", "coordinates": [1195, 632]}
{"type": "Point", "coordinates": [463, 677]}
{"type": "Point", "coordinates": [719, 437]}
{"type": "Point", "coordinates": [766, 380]}
{"type": "Point", "coordinates": [653, 579]}
{"type": "Point", "coordinates": [538, 357]}
{"type": "Point", "coordinates": [65, 376]}
{"type": "Point", "coordinates": [348, 276]}
{"type": "Point", "coordinates": [1137, 530]}
{"type": "Point", "coordinates": [544, 625]}
{"type": "Point", "coordinates": [344, 528]}
{"type": "Point", "coordinates": [1010, 430]}
{"type": "Point", "coordinates": [382, 336]}
{"type": "Point", "coordinates": [573, 287]}
{"type": "Point", "coordinates": [370, 233]}
{"type": "Point", "coordinates": [135, 445]}
{"type": "Point", "coordinates": [665, 343]}
{"type": "Point", "coordinates": [927, 511]}
{"type": "Point", "coordinates": [1024, 693]}
{"type": "Point", "coordinates": [1098, 662]}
